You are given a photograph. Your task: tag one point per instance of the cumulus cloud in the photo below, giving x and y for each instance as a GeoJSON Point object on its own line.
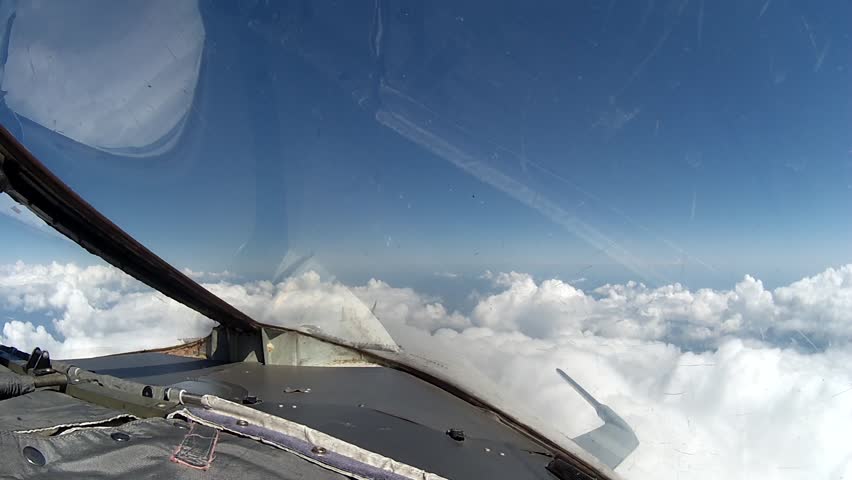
{"type": "Point", "coordinates": [394, 306]}
{"type": "Point", "coordinates": [308, 303]}
{"type": "Point", "coordinates": [99, 310]}
{"type": "Point", "coordinates": [707, 378]}
{"type": "Point", "coordinates": [812, 312]}
{"type": "Point", "coordinates": [741, 411]}
{"type": "Point", "coordinates": [94, 310]}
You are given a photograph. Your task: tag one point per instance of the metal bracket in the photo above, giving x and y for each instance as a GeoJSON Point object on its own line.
{"type": "Point", "coordinates": [273, 346]}
{"type": "Point", "coordinates": [228, 345]}
{"type": "Point", "coordinates": [39, 363]}
{"type": "Point", "coordinates": [293, 348]}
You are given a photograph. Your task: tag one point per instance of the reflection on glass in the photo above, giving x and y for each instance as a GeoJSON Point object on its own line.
{"type": "Point", "coordinates": [651, 196]}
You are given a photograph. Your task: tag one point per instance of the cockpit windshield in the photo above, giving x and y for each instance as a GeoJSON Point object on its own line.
{"type": "Point", "coordinates": [652, 196]}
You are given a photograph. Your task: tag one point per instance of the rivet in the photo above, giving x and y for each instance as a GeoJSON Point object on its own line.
{"type": "Point", "coordinates": [502, 454]}
{"type": "Point", "coordinates": [181, 425]}
{"type": "Point", "coordinates": [34, 456]}
{"type": "Point", "coordinates": [242, 423]}
{"type": "Point", "coordinates": [294, 406]}
{"type": "Point", "coordinates": [120, 437]}
{"type": "Point", "coordinates": [319, 451]}
{"type": "Point", "coordinates": [487, 449]}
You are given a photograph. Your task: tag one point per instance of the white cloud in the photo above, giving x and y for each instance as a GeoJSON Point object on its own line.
{"type": "Point", "coordinates": [95, 310]}
{"type": "Point", "coordinates": [307, 303]}
{"type": "Point", "coordinates": [747, 404]}
{"type": "Point", "coordinates": [811, 312]}
{"type": "Point", "coordinates": [395, 306]}
{"type": "Point", "coordinates": [741, 411]}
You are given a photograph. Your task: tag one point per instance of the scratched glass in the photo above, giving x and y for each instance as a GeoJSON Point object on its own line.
{"type": "Point", "coordinates": [653, 196]}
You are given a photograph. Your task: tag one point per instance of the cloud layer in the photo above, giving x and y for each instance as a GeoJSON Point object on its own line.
{"type": "Point", "coordinates": [95, 310]}
{"type": "Point", "coordinates": [811, 312]}
{"type": "Point", "coordinates": [739, 383]}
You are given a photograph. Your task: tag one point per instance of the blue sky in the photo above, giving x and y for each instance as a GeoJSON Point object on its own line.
{"type": "Point", "coordinates": [706, 139]}
{"type": "Point", "coordinates": [592, 141]}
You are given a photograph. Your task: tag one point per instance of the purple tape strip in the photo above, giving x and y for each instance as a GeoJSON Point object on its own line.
{"type": "Point", "coordinates": [329, 458]}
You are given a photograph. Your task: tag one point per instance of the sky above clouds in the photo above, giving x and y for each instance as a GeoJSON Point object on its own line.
{"type": "Point", "coordinates": [660, 142]}
{"type": "Point", "coordinates": [653, 196]}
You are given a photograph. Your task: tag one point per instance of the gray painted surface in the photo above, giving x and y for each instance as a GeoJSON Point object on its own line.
{"type": "Point", "coordinates": [145, 452]}
{"type": "Point", "coordinates": [381, 409]}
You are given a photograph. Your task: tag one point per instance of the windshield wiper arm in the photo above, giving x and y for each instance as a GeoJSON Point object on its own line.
{"type": "Point", "coordinates": [34, 186]}
{"type": "Point", "coordinates": [613, 441]}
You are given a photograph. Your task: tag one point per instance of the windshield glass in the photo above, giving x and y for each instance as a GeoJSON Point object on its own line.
{"type": "Point", "coordinates": [652, 196]}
